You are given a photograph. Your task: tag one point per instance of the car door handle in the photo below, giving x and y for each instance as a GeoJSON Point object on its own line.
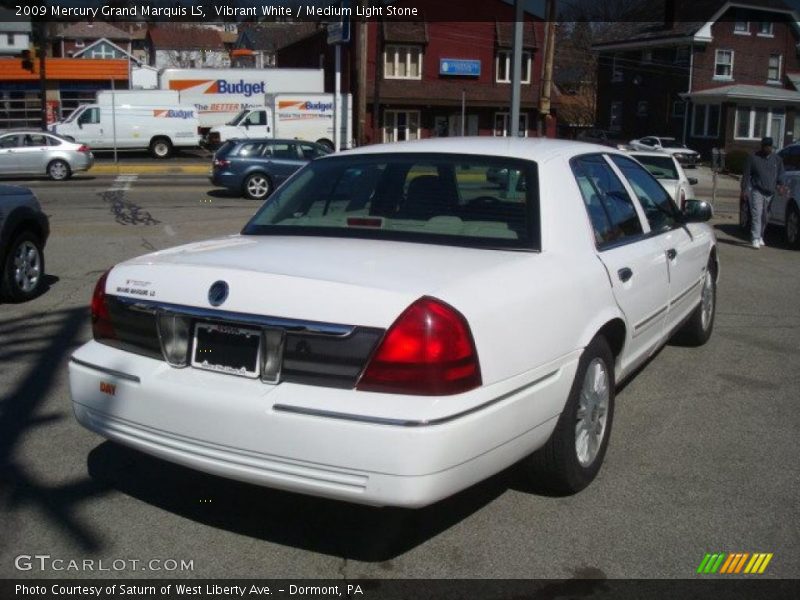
{"type": "Point", "coordinates": [624, 274]}
{"type": "Point", "coordinates": [672, 253]}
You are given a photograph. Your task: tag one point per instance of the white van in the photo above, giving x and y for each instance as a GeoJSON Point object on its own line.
{"type": "Point", "coordinates": [159, 128]}
{"type": "Point", "coordinates": [290, 116]}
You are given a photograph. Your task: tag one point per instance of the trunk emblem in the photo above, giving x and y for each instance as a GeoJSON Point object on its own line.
{"type": "Point", "coordinates": [217, 293]}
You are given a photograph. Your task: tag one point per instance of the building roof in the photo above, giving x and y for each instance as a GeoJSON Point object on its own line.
{"type": "Point", "coordinates": [67, 68]}
{"type": "Point", "coordinates": [746, 92]}
{"type": "Point", "coordinates": [505, 34]}
{"type": "Point", "coordinates": [270, 37]}
{"type": "Point", "coordinates": [185, 37]}
{"type": "Point", "coordinates": [92, 30]}
{"type": "Point", "coordinates": [103, 41]}
{"type": "Point", "coordinates": [405, 32]}
{"type": "Point", "coordinates": [794, 79]}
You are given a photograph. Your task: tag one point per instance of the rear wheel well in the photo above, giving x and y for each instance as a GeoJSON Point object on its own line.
{"type": "Point", "coordinates": [614, 334]}
{"type": "Point", "coordinates": [714, 262]}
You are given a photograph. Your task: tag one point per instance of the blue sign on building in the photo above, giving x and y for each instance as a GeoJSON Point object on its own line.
{"type": "Point", "coordinates": [457, 66]}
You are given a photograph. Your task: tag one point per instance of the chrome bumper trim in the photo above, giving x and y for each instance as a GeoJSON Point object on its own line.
{"type": "Point", "coordinates": [107, 371]}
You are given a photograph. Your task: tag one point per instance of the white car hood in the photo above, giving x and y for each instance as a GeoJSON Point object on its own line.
{"type": "Point", "coordinates": [363, 282]}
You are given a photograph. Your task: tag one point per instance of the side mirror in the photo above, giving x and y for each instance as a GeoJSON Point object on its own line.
{"type": "Point", "coordinates": [697, 211]}
{"type": "Point", "coordinates": [692, 180]}
{"type": "Point", "coordinates": [80, 125]}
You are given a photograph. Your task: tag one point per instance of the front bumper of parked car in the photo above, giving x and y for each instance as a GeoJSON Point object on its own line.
{"type": "Point", "coordinates": [687, 159]}
{"type": "Point", "coordinates": [362, 447]}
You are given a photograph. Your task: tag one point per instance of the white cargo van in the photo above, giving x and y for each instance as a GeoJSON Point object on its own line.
{"type": "Point", "coordinates": [290, 116]}
{"type": "Point", "coordinates": [220, 94]}
{"type": "Point", "coordinates": [157, 127]}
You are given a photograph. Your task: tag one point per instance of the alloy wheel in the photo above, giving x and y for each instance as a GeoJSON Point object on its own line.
{"type": "Point", "coordinates": [592, 415]}
{"type": "Point", "coordinates": [27, 266]}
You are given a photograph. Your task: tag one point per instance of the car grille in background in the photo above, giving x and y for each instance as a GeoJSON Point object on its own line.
{"type": "Point", "coordinates": [312, 358]}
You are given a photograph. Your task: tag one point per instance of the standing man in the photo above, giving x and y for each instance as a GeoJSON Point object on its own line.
{"type": "Point", "coordinates": [763, 176]}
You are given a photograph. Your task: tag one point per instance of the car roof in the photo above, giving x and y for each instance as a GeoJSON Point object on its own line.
{"type": "Point", "coordinates": [272, 140]}
{"type": "Point", "coordinates": [6, 131]}
{"type": "Point", "coordinates": [536, 149]}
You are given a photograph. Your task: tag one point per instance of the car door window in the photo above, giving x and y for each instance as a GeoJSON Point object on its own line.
{"type": "Point", "coordinates": [610, 208]}
{"type": "Point", "coordinates": [284, 151]}
{"type": "Point", "coordinates": [91, 116]}
{"type": "Point", "coordinates": [9, 141]}
{"type": "Point", "coordinates": [311, 151]}
{"type": "Point", "coordinates": [251, 149]}
{"type": "Point", "coordinates": [258, 117]}
{"type": "Point", "coordinates": [51, 141]}
{"type": "Point", "coordinates": [656, 202]}
{"type": "Point", "coordinates": [34, 140]}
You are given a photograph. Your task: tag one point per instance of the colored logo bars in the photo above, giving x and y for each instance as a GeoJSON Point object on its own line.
{"type": "Point", "coordinates": [734, 563]}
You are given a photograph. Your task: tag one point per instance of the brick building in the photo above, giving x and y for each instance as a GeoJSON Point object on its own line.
{"type": "Point", "coordinates": [714, 74]}
{"type": "Point", "coordinates": [419, 76]}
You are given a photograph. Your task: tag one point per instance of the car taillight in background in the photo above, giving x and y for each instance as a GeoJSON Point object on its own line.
{"type": "Point", "coordinates": [428, 351]}
{"type": "Point", "coordinates": [102, 328]}
{"type": "Point", "coordinates": [84, 148]}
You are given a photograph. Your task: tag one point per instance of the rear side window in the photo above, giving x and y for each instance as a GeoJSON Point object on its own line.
{"type": "Point", "coordinates": [656, 202]}
{"type": "Point", "coordinates": [312, 151]}
{"type": "Point", "coordinates": [608, 204]}
{"type": "Point", "coordinates": [250, 149]}
{"type": "Point", "coordinates": [456, 199]}
{"type": "Point", "coordinates": [51, 141]}
{"type": "Point", "coordinates": [34, 140]}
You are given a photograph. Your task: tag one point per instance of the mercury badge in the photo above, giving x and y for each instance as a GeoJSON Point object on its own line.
{"type": "Point", "coordinates": [217, 293]}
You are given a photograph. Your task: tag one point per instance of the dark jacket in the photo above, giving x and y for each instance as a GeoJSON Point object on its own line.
{"type": "Point", "coordinates": [763, 172]}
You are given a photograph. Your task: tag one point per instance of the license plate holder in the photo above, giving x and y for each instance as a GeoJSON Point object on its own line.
{"type": "Point", "coordinates": [228, 349]}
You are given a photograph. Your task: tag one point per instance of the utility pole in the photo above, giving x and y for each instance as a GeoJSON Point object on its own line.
{"type": "Point", "coordinates": [42, 48]}
{"type": "Point", "coordinates": [362, 77]}
{"type": "Point", "coordinates": [547, 78]}
{"type": "Point", "coordinates": [516, 70]}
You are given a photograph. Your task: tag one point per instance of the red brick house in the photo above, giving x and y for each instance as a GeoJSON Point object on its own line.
{"type": "Point", "coordinates": [418, 75]}
{"type": "Point", "coordinates": [712, 73]}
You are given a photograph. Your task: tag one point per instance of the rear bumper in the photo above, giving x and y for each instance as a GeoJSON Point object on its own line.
{"type": "Point", "coordinates": [226, 180]}
{"type": "Point", "coordinates": [316, 440]}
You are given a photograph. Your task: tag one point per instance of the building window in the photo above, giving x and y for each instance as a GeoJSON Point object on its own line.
{"type": "Point", "coordinates": [102, 51]}
{"type": "Point", "coordinates": [502, 121]}
{"type": "Point", "coordinates": [678, 109]}
{"type": "Point", "coordinates": [705, 120]}
{"type": "Point", "coordinates": [402, 62]}
{"type": "Point", "coordinates": [615, 117]}
{"type": "Point", "coordinates": [765, 29]}
{"type": "Point", "coordinates": [79, 44]}
{"type": "Point", "coordinates": [723, 64]}
{"type": "Point", "coordinates": [682, 55]}
{"type": "Point", "coordinates": [754, 122]}
{"type": "Point", "coordinates": [641, 108]}
{"type": "Point", "coordinates": [774, 69]}
{"type": "Point", "coordinates": [616, 71]}
{"type": "Point", "coordinates": [502, 65]}
{"type": "Point", "coordinates": [400, 125]}
{"type": "Point", "coordinates": [741, 27]}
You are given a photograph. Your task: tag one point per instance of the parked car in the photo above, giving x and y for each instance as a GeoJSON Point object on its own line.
{"type": "Point", "coordinates": [669, 172]}
{"type": "Point", "coordinates": [791, 157]}
{"type": "Point", "coordinates": [390, 328]}
{"type": "Point", "coordinates": [33, 152]}
{"type": "Point", "coordinates": [603, 137]}
{"type": "Point", "coordinates": [685, 156]}
{"type": "Point", "coordinates": [24, 229]}
{"type": "Point", "coordinates": [783, 212]}
{"type": "Point", "coordinates": [255, 167]}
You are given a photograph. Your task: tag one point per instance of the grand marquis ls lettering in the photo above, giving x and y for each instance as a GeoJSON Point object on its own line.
{"type": "Point", "coordinates": [404, 321]}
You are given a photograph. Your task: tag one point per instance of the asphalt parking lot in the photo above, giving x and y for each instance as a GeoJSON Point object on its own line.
{"type": "Point", "coordinates": [703, 455]}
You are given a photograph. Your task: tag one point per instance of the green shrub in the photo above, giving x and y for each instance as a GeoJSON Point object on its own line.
{"type": "Point", "coordinates": [734, 161]}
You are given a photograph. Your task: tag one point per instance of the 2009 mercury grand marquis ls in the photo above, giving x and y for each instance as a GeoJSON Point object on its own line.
{"type": "Point", "coordinates": [399, 322]}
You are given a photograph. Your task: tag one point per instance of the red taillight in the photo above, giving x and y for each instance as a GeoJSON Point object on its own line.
{"type": "Point", "coordinates": [84, 148]}
{"type": "Point", "coordinates": [428, 351]}
{"type": "Point", "coordinates": [101, 316]}
{"type": "Point", "coordinates": [221, 163]}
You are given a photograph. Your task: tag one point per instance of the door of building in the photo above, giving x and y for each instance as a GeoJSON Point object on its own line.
{"type": "Point", "coordinates": [455, 125]}
{"type": "Point", "coordinates": [777, 129]}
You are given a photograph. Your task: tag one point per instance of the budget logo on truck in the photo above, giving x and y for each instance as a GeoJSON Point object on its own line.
{"type": "Point", "coordinates": [306, 105]}
{"type": "Point", "coordinates": [219, 86]}
{"type": "Point", "coordinates": [173, 114]}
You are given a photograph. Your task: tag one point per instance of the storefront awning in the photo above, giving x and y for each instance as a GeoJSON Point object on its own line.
{"type": "Point", "coordinates": [734, 93]}
{"type": "Point", "coordinates": [73, 69]}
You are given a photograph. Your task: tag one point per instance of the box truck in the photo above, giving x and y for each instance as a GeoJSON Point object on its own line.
{"type": "Point", "coordinates": [133, 120]}
{"type": "Point", "coordinates": [220, 94]}
{"type": "Point", "coordinates": [291, 116]}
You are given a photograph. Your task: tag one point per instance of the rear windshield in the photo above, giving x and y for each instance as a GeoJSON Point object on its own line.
{"type": "Point", "coordinates": [455, 199]}
{"type": "Point", "coordinates": [660, 167]}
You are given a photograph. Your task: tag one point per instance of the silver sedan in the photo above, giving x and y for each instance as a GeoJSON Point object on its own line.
{"type": "Point", "coordinates": [33, 152]}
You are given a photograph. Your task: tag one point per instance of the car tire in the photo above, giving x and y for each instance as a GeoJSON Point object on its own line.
{"type": "Point", "coordinates": [744, 216]}
{"type": "Point", "coordinates": [697, 330]}
{"type": "Point", "coordinates": [793, 226]}
{"type": "Point", "coordinates": [160, 148]}
{"type": "Point", "coordinates": [58, 170]}
{"type": "Point", "coordinates": [23, 271]}
{"type": "Point", "coordinates": [573, 455]}
{"type": "Point", "coordinates": [257, 186]}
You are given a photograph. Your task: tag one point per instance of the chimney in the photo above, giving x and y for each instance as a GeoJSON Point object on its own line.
{"type": "Point", "coordinates": [669, 14]}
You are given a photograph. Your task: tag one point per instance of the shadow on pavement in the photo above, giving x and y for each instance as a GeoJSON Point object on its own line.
{"type": "Point", "coordinates": [42, 341]}
{"type": "Point", "coordinates": [774, 236]}
{"type": "Point", "coordinates": [315, 524]}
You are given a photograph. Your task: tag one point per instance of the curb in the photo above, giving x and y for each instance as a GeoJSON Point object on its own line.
{"type": "Point", "coordinates": [133, 168]}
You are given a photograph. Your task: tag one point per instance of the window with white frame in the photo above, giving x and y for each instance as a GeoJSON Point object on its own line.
{"type": "Point", "coordinates": [102, 51]}
{"type": "Point", "coordinates": [678, 109]}
{"type": "Point", "coordinates": [79, 44]}
{"type": "Point", "coordinates": [741, 27]}
{"type": "Point", "coordinates": [774, 69]}
{"type": "Point", "coordinates": [753, 122]}
{"type": "Point", "coordinates": [400, 125]}
{"type": "Point", "coordinates": [641, 108]}
{"type": "Point", "coordinates": [402, 62]}
{"type": "Point", "coordinates": [705, 120]}
{"type": "Point", "coordinates": [615, 116]}
{"type": "Point", "coordinates": [502, 63]}
{"type": "Point", "coordinates": [764, 28]}
{"type": "Point", "coordinates": [723, 64]}
{"type": "Point", "coordinates": [502, 120]}
{"type": "Point", "coordinates": [616, 71]}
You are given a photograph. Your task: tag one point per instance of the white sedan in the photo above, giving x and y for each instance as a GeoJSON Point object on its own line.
{"type": "Point", "coordinates": [669, 172]}
{"type": "Point", "coordinates": [391, 328]}
{"type": "Point", "coordinates": [670, 145]}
